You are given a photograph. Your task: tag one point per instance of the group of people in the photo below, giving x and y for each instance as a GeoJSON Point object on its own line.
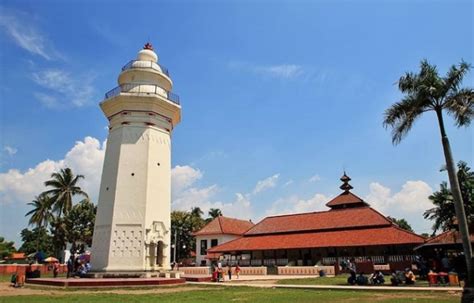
{"type": "Point", "coordinates": [218, 272]}
{"type": "Point", "coordinates": [76, 267]}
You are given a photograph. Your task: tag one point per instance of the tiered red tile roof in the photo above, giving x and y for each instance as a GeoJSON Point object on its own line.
{"type": "Point", "coordinates": [320, 221]}
{"type": "Point", "coordinates": [225, 225]}
{"type": "Point", "coordinates": [388, 235]}
{"type": "Point", "coordinates": [342, 226]}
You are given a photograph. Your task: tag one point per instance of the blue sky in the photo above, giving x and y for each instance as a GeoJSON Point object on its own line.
{"type": "Point", "coordinates": [278, 98]}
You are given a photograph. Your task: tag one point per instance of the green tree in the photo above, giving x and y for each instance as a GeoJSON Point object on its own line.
{"type": "Point", "coordinates": [214, 213]}
{"type": "Point", "coordinates": [402, 223]}
{"type": "Point", "coordinates": [444, 214]}
{"type": "Point", "coordinates": [79, 224]}
{"type": "Point", "coordinates": [427, 91]}
{"type": "Point", "coordinates": [64, 188]}
{"type": "Point", "coordinates": [35, 240]}
{"type": "Point", "coordinates": [41, 214]}
{"type": "Point", "coordinates": [59, 235]}
{"type": "Point", "coordinates": [183, 224]}
{"type": "Point", "coordinates": [6, 248]}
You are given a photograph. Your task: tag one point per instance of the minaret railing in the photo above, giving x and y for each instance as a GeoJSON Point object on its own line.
{"type": "Point", "coordinates": [132, 88]}
{"type": "Point", "coordinates": [146, 64]}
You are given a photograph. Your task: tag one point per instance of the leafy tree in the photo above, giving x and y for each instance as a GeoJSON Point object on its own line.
{"type": "Point", "coordinates": [79, 224]}
{"type": "Point", "coordinates": [183, 224]}
{"type": "Point", "coordinates": [41, 214]}
{"type": "Point", "coordinates": [402, 223]}
{"type": "Point", "coordinates": [64, 188]}
{"type": "Point", "coordinates": [59, 235]}
{"type": "Point", "coordinates": [427, 91]}
{"type": "Point", "coordinates": [444, 214]}
{"type": "Point", "coordinates": [6, 248]}
{"type": "Point", "coordinates": [35, 240]}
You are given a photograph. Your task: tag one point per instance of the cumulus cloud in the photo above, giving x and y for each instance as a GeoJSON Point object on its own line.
{"type": "Point", "coordinates": [409, 203]}
{"type": "Point", "coordinates": [266, 183]}
{"type": "Point", "coordinates": [25, 35]}
{"type": "Point", "coordinates": [295, 204]}
{"type": "Point", "coordinates": [85, 158]}
{"type": "Point", "coordinates": [63, 89]}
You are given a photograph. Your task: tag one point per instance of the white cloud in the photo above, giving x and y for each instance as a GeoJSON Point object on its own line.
{"type": "Point", "coordinates": [76, 91]}
{"type": "Point", "coordinates": [287, 183]}
{"type": "Point", "coordinates": [314, 178]}
{"type": "Point", "coordinates": [183, 176]}
{"type": "Point", "coordinates": [281, 71]}
{"type": "Point", "coordinates": [85, 158]}
{"type": "Point", "coordinates": [10, 150]}
{"type": "Point", "coordinates": [284, 71]}
{"type": "Point", "coordinates": [266, 183]}
{"type": "Point", "coordinates": [26, 35]}
{"type": "Point", "coordinates": [409, 203]}
{"type": "Point", "coordinates": [294, 204]}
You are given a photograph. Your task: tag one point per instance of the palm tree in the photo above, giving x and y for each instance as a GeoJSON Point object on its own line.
{"type": "Point", "coordinates": [65, 187]}
{"type": "Point", "coordinates": [41, 214]}
{"type": "Point", "coordinates": [214, 213]}
{"type": "Point", "coordinates": [427, 91]}
{"type": "Point", "coordinates": [444, 213]}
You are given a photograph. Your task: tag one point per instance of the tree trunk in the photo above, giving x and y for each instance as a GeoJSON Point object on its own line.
{"type": "Point", "coordinates": [458, 202]}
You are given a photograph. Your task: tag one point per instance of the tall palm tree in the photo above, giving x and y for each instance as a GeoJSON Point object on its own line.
{"type": "Point", "coordinates": [41, 214]}
{"type": "Point", "coordinates": [214, 213]}
{"type": "Point", "coordinates": [427, 91]}
{"type": "Point", "coordinates": [64, 188]}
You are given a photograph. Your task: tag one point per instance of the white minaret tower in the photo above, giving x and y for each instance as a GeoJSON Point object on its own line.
{"type": "Point", "coordinates": [132, 228]}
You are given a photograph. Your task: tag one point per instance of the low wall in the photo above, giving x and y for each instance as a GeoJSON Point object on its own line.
{"type": "Point", "coordinates": [254, 271]}
{"type": "Point", "coordinates": [305, 270]}
{"type": "Point", "coordinates": [195, 270]}
{"type": "Point", "coordinates": [9, 269]}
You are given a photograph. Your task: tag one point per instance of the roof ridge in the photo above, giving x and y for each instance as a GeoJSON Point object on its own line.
{"type": "Point", "coordinates": [220, 224]}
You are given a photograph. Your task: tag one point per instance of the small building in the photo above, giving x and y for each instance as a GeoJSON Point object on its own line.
{"type": "Point", "coordinates": [349, 229]}
{"type": "Point", "coordinates": [219, 231]}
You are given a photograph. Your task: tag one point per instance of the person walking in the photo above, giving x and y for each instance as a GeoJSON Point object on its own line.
{"type": "Point", "coordinates": [229, 272]}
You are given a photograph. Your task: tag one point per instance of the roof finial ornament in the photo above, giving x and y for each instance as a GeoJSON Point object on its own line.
{"type": "Point", "coordinates": [148, 46]}
{"type": "Point", "coordinates": [346, 187]}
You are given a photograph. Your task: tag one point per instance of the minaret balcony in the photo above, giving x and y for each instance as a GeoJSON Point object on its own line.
{"type": "Point", "coordinates": [142, 89]}
{"type": "Point", "coordinates": [146, 64]}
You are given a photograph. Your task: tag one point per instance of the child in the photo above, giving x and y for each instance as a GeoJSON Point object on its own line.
{"type": "Point", "coordinates": [237, 271]}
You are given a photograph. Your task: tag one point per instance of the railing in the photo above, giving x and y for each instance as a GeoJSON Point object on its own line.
{"type": "Point", "coordinates": [374, 259]}
{"type": "Point", "coordinates": [141, 89]}
{"type": "Point", "coordinates": [146, 64]}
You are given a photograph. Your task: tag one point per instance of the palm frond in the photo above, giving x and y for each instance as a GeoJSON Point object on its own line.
{"type": "Point", "coordinates": [455, 76]}
{"type": "Point", "coordinates": [401, 116]}
{"type": "Point", "coordinates": [460, 104]}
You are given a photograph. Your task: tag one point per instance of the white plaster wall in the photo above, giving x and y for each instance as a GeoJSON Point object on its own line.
{"type": "Point", "coordinates": [221, 239]}
{"type": "Point", "coordinates": [129, 204]}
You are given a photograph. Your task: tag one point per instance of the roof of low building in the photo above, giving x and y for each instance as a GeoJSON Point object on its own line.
{"type": "Point", "coordinates": [449, 238]}
{"type": "Point", "coordinates": [225, 225]}
{"type": "Point", "coordinates": [387, 235]}
{"type": "Point", "coordinates": [319, 221]}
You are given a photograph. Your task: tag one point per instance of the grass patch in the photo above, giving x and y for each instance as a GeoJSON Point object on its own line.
{"type": "Point", "coordinates": [338, 280]}
{"type": "Point", "coordinates": [243, 294]}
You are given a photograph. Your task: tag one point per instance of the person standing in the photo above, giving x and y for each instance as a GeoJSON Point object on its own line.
{"type": "Point", "coordinates": [229, 272]}
{"type": "Point", "coordinates": [55, 269]}
{"type": "Point", "coordinates": [237, 271]}
{"type": "Point", "coordinates": [70, 266]}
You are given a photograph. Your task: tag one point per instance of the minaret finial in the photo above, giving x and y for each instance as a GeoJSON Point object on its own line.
{"type": "Point", "coordinates": [346, 187]}
{"type": "Point", "coordinates": [148, 46]}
